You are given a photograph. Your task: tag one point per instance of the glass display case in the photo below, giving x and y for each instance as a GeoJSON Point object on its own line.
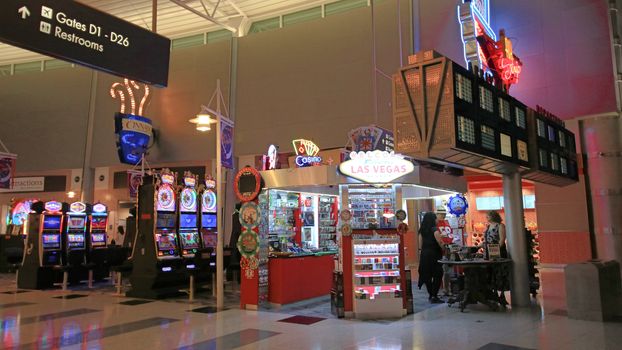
{"type": "Point", "coordinates": [327, 221]}
{"type": "Point", "coordinates": [372, 207]}
{"type": "Point", "coordinates": [376, 277]}
{"type": "Point", "coordinates": [282, 216]}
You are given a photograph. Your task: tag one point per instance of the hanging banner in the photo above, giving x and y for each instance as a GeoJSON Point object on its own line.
{"type": "Point", "coordinates": [226, 142]}
{"type": "Point", "coordinates": [134, 179]}
{"type": "Point", "coordinates": [7, 169]}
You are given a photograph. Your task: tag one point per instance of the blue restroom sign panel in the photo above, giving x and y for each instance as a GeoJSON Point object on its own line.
{"type": "Point", "coordinates": [77, 33]}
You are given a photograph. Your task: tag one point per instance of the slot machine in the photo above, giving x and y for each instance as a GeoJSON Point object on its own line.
{"type": "Point", "coordinates": [50, 232]}
{"type": "Point", "coordinates": [208, 215]}
{"type": "Point", "coordinates": [98, 225]}
{"type": "Point", "coordinates": [43, 250]}
{"type": "Point", "coordinates": [74, 234]}
{"type": "Point", "coordinates": [189, 239]}
{"type": "Point", "coordinates": [166, 218]}
{"type": "Point", "coordinates": [157, 265]}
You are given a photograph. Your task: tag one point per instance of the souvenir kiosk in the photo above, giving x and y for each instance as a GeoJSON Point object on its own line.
{"type": "Point", "coordinates": [363, 198]}
{"type": "Point", "coordinates": [43, 249]}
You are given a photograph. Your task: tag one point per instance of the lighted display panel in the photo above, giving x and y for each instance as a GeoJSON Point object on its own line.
{"type": "Point", "coordinates": [166, 220]}
{"type": "Point", "coordinates": [76, 230]}
{"type": "Point", "coordinates": [487, 120]}
{"type": "Point", "coordinates": [98, 226]}
{"type": "Point", "coordinates": [476, 124]}
{"type": "Point", "coordinates": [208, 218]}
{"type": "Point", "coordinates": [165, 200]}
{"type": "Point", "coordinates": [50, 235]}
{"type": "Point", "coordinates": [554, 149]}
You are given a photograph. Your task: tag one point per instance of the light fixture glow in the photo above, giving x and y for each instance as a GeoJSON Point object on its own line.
{"type": "Point", "coordinates": [203, 122]}
{"type": "Point", "coordinates": [71, 194]}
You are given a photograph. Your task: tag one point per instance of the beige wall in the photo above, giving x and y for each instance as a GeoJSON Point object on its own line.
{"type": "Point", "coordinates": [312, 79]}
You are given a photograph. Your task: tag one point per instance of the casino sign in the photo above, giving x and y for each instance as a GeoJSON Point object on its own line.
{"type": "Point", "coordinates": [376, 166]}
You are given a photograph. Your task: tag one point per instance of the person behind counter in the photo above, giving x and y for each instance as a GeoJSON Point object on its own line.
{"type": "Point", "coordinates": [495, 232]}
{"type": "Point", "coordinates": [430, 252]}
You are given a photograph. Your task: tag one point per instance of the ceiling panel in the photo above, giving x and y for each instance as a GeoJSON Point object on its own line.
{"type": "Point", "coordinates": [173, 20]}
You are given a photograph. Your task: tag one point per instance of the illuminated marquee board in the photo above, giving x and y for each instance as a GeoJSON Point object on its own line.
{"type": "Point", "coordinates": [53, 206]}
{"type": "Point", "coordinates": [376, 167]}
{"type": "Point", "coordinates": [77, 208]}
{"type": "Point", "coordinates": [306, 153]}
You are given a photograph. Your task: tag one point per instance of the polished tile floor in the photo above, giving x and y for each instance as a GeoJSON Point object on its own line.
{"type": "Point", "coordinates": [96, 319]}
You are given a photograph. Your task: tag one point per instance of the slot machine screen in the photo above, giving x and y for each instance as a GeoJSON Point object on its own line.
{"type": "Point", "coordinates": [165, 220]}
{"type": "Point", "coordinates": [209, 221]}
{"type": "Point", "coordinates": [98, 223]}
{"type": "Point", "coordinates": [190, 240]}
{"type": "Point", "coordinates": [187, 220]}
{"type": "Point", "coordinates": [51, 241]}
{"type": "Point", "coordinates": [75, 238]}
{"type": "Point", "coordinates": [51, 222]}
{"type": "Point", "coordinates": [98, 237]}
{"type": "Point", "coordinates": [77, 222]}
{"type": "Point", "coordinates": [166, 241]}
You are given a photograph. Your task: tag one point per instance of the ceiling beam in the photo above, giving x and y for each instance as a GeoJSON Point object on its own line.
{"type": "Point", "coordinates": [204, 15]}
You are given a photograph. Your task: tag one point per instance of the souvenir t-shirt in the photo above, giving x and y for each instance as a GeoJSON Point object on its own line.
{"type": "Point", "coordinates": [445, 230]}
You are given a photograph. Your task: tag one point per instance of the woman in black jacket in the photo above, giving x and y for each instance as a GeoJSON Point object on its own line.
{"type": "Point", "coordinates": [430, 248]}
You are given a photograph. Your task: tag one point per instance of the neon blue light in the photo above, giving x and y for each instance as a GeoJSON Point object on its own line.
{"type": "Point", "coordinates": [476, 16]}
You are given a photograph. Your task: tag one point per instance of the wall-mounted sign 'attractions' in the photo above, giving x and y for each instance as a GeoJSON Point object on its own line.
{"type": "Point", "coordinates": [376, 167]}
{"type": "Point", "coordinates": [481, 47]}
{"type": "Point", "coordinates": [306, 153]}
{"type": "Point", "coordinates": [81, 34]}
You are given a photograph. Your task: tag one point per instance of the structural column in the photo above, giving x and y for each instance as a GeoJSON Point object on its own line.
{"type": "Point", "coordinates": [87, 191]}
{"type": "Point", "coordinates": [600, 141]}
{"type": "Point", "coordinates": [516, 240]}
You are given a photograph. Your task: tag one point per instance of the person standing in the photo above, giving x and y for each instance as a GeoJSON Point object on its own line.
{"type": "Point", "coordinates": [495, 234]}
{"type": "Point", "coordinates": [446, 238]}
{"type": "Point", "coordinates": [119, 236]}
{"type": "Point", "coordinates": [430, 252]}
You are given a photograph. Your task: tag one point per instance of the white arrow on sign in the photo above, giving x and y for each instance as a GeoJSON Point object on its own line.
{"type": "Point", "coordinates": [24, 12]}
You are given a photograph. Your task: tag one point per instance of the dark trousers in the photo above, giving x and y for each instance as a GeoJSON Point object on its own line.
{"type": "Point", "coordinates": [433, 285]}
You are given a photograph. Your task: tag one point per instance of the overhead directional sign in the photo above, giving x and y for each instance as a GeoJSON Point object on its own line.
{"type": "Point", "coordinates": [74, 32]}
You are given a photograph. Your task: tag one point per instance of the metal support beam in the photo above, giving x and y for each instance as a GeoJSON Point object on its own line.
{"type": "Point", "coordinates": [154, 16]}
{"type": "Point", "coordinates": [516, 240]}
{"type": "Point", "coordinates": [206, 16]}
{"type": "Point", "coordinates": [87, 190]}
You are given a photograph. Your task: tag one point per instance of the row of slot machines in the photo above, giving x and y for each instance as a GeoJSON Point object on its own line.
{"type": "Point", "coordinates": [174, 223]}
{"type": "Point", "coordinates": [183, 223]}
{"type": "Point", "coordinates": [61, 235]}
{"type": "Point", "coordinates": [68, 233]}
